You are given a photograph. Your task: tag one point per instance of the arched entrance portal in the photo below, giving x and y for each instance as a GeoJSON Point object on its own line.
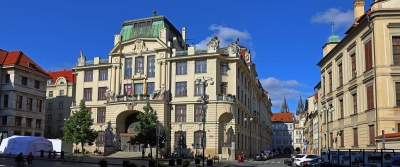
{"type": "Point", "coordinates": [127, 121]}
{"type": "Point", "coordinates": [287, 150]}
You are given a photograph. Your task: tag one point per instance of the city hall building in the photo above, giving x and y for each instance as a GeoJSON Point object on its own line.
{"type": "Point", "coordinates": [187, 87]}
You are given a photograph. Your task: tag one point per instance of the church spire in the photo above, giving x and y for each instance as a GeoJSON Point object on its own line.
{"type": "Point", "coordinates": [300, 107]}
{"type": "Point", "coordinates": [285, 107]}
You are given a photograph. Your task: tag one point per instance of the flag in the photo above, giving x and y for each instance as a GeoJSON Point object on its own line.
{"type": "Point", "coordinates": [144, 88]}
{"type": "Point", "coordinates": [120, 87]}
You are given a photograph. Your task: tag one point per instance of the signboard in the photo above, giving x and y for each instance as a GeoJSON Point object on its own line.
{"type": "Point", "coordinates": [159, 129]}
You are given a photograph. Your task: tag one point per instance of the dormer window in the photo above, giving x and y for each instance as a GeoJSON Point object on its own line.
{"type": "Point", "coordinates": [31, 65]}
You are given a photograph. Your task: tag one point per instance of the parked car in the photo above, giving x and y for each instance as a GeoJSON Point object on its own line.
{"type": "Point", "coordinates": [271, 154]}
{"type": "Point", "coordinates": [288, 161]}
{"type": "Point", "coordinates": [312, 163]}
{"type": "Point", "coordinates": [276, 153]}
{"type": "Point", "coordinates": [303, 157]}
{"type": "Point", "coordinates": [258, 157]}
{"type": "Point", "coordinates": [294, 154]}
{"type": "Point", "coordinates": [266, 154]}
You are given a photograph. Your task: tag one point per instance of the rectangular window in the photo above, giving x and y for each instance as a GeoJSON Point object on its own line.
{"type": "Point", "coordinates": [151, 67]}
{"type": "Point", "coordinates": [101, 115]}
{"type": "Point", "coordinates": [29, 103]}
{"type": "Point", "coordinates": [330, 81]}
{"type": "Point", "coordinates": [139, 88]}
{"type": "Point", "coordinates": [49, 117]}
{"type": "Point", "coordinates": [224, 68]}
{"type": "Point", "coordinates": [200, 66]}
{"type": "Point", "coordinates": [60, 117]}
{"type": "Point", "coordinates": [200, 139]}
{"type": "Point", "coordinates": [370, 97]}
{"type": "Point", "coordinates": [368, 55]}
{"type": "Point", "coordinates": [149, 87]}
{"type": "Point", "coordinates": [323, 84]}
{"type": "Point", "coordinates": [181, 67]}
{"type": "Point", "coordinates": [180, 113]}
{"type": "Point", "coordinates": [397, 94]}
{"type": "Point", "coordinates": [60, 105]}
{"type": "Point", "coordinates": [38, 123]}
{"type": "Point", "coordinates": [103, 74]}
{"type": "Point", "coordinates": [37, 84]}
{"type": "Point", "coordinates": [180, 139]}
{"type": "Point", "coordinates": [50, 106]}
{"type": "Point", "coordinates": [181, 89]}
{"type": "Point", "coordinates": [61, 92]}
{"type": "Point", "coordinates": [24, 81]}
{"type": "Point", "coordinates": [87, 94]}
{"type": "Point", "coordinates": [19, 102]}
{"type": "Point", "coordinates": [199, 89]}
{"type": "Point", "coordinates": [353, 66]}
{"type": "Point", "coordinates": [18, 121]}
{"type": "Point", "coordinates": [4, 120]}
{"type": "Point", "coordinates": [8, 78]}
{"type": "Point", "coordinates": [139, 65]}
{"type": "Point", "coordinates": [28, 122]}
{"type": "Point", "coordinates": [199, 113]}
{"type": "Point", "coordinates": [101, 138]}
{"type": "Point", "coordinates": [341, 139]}
{"type": "Point", "coordinates": [38, 105]}
{"type": "Point", "coordinates": [341, 108]}
{"type": "Point", "coordinates": [5, 101]}
{"type": "Point", "coordinates": [340, 75]}
{"type": "Point", "coordinates": [59, 129]}
{"type": "Point", "coordinates": [102, 93]}
{"type": "Point", "coordinates": [128, 68]}
{"type": "Point", "coordinates": [355, 103]}
{"type": "Point", "coordinates": [50, 93]}
{"type": "Point", "coordinates": [355, 136]}
{"type": "Point", "coordinates": [371, 134]}
{"type": "Point", "coordinates": [224, 88]}
{"type": "Point", "coordinates": [88, 76]}
{"type": "Point", "coordinates": [396, 50]}
{"type": "Point", "coordinates": [48, 129]}
{"type": "Point", "coordinates": [331, 139]}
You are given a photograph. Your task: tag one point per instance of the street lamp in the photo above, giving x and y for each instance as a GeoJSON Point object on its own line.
{"type": "Point", "coordinates": [251, 119]}
{"type": "Point", "coordinates": [204, 81]}
{"type": "Point", "coordinates": [327, 110]}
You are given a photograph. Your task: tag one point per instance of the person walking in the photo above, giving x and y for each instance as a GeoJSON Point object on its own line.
{"type": "Point", "coordinates": [30, 158]}
{"type": "Point", "coordinates": [19, 159]}
{"type": "Point", "coordinates": [143, 153]}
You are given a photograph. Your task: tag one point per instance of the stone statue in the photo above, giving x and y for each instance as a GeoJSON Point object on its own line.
{"type": "Point", "coordinates": [110, 95]}
{"type": "Point", "coordinates": [229, 135]}
{"type": "Point", "coordinates": [214, 43]}
{"type": "Point", "coordinates": [159, 93]}
{"type": "Point", "coordinates": [248, 56]}
{"type": "Point", "coordinates": [233, 47]}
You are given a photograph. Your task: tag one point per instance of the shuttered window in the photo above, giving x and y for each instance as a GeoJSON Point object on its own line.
{"type": "Point", "coordinates": [355, 103]}
{"type": "Point", "coordinates": [341, 108]}
{"type": "Point", "coordinates": [370, 97]}
{"type": "Point", "coordinates": [396, 50]}
{"type": "Point", "coordinates": [340, 75]}
{"type": "Point", "coordinates": [368, 55]}
{"type": "Point", "coordinates": [397, 93]}
{"type": "Point", "coordinates": [371, 135]}
{"type": "Point", "coordinates": [353, 66]}
{"type": "Point", "coordinates": [342, 139]}
{"type": "Point", "coordinates": [331, 139]}
{"type": "Point", "coordinates": [330, 81]}
{"type": "Point", "coordinates": [355, 136]}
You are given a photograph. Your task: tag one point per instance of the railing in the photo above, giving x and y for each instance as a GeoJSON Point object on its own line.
{"type": "Point", "coordinates": [181, 53]}
{"type": "Point", "coordinates": [103, 61]}
{"type": "Point", "coordinates": [226, 98]}
{"type": "Point", "coordinates": [203, 51]}
{"type": "Point", "coordinates": [133, 98]}
{"type": "Point", "coordinates": [223, 51]}
{"type": "Point", "coordinates": [91, 62]}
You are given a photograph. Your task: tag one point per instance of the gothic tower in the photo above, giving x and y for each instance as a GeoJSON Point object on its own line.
{"type": "Point", "coordinates": [300, 107]}
{"type": "Point", "coordinates": [285, 107]}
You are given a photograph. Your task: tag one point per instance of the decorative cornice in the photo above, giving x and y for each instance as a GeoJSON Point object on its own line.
{"type": "Point", "coordinates": [352, 87]}
{"type": "Point", "coordinates": [339, 57]}
{"type": "Point", "coordinates": [366, 34]}
{"type": "Point", "coordinates": [339, 94]}
{"type": "Point", "coordinates": [352, 46]}
{"type": "Point", "coordinates": [393, 25]}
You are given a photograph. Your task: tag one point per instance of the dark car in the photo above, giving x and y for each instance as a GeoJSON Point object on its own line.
{"type": "Point", "coordinates": [288, 161]}
{"type": "Point", "coordinates": [311, 163]}
{"type": "Point", "coordinates": [258, 157]}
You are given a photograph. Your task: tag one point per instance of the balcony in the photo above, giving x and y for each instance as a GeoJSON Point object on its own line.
{"type": "Point", "coordinates": [133, 98]}
{"type": "Point", "coordinates": [222, 97]}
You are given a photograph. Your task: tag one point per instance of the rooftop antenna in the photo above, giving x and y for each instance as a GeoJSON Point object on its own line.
{"type": "Point", "coordinates": [333, 27]}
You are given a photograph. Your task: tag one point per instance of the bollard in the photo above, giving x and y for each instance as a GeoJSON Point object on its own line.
{"type": "Point", "coordinates": [49, 154]}
{"type": "Point", "coordinates": [62, 154]}
{"type": "Point", "coordinates": [42, 153]}
{"type": "Point", "coordinates": [54, 154]}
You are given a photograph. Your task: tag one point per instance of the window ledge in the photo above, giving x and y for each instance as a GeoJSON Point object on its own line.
{"type": "Point", "coordinates": [353, 114]}
{"type": "Point", "coordinates": [181, 96]}
{"type": "Point", "coordinates": [371, 145]}
{"type": "Point", "coordinates": [355, 146]}
{"type": "Point", "coordinates": [342, 147]}
{"type": "Point", "coordinates": [340, 118]}
{"type": "Point", "coordinates": [372, 109]}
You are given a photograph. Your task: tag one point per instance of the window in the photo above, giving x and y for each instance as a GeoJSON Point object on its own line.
{"type": "Point", "coordinates": [341, 139]}
{"type": "Point", "coordinates": [341, 108]}
{"type": "Point", "coordinates": [200, 66]}
{"type": "Point", "coordinates": [224, 88]}
{"type": "Point", "coordinates": [103, 74]}
{"type": "Point", "coordinates": [61, 92]}
{"type": "Point", "coordinates": [139, 88]}
{"type": "Point", "coordinates": [100, 138]}
{"type": "Point", "coordinates": [101, 115]}
{"type": "Point", "coordinates": [180, 139]}
{"type": "Point", "coordinates": [198, 89]}
{"type": "Point", "coordinates": [180, 113]}
{"type": "Point", "coordinates": [29, 103]}
{"type": "Point", "coordinates": [60, 105]}
{"type": "Point", "coordinates": [340, 75]}
{"type": "Point", "coordinates": [330, 81]}
{"type": "Point", "coordinates": [181, 89]}
{"type": "Point", "coordinates": [396, 50]}
{"type": "Point", "coordinates": [4, 120]}
{"type": "Point", "coordinates": [398, 127]}
{"type": "Point", "coordinates": [370, 97]}
{"type": "Point", "coordinates": [18, 121]}
{"type": "Point", "coordinates": [5, 101]}
{"type": "Point", "coordinates": [200, 139]}
{"type": "Point", "coordinates": [331, 139]}
{"type": "Point", "coordinates": [8, 78]}
{"type": "Point", "coordinates": [139, 65]}
{"type": "Point", "coordinates": [49, 129]}
{"type": "Point", "coordinates": [355, 136]}
{"type": "Point", "coordinates": [128, 68]}
{"type": "Point", "coordinates": [60, 117]}
{"type": "Point", "coordinates": [368, 55]}
{"type": "Point", "coordinates": [38, 105]}
{"type": "Point", "coordinates": [19, 102]}
{"type": "Point", "coordinates": [224, 68]}
{"type": "Point", "coordinates": [37, 84]}
{"type": "Point", "coordinates": [24, 81]}
{"type": "Point", "coordinates": [59, 129]}
{"type": "Point", "coordinates": [397, 93]}
{"type": "Point", "coordinates": [38, 123]}
{"type": "Point", "coordinates": [102, 93]}
{"type": "Point", "coordinates": [88, 76]}
{"type": "Point", "coordinates": [199, 113]}
{"type": "Point", "coordinates": [181, 67]}
{"type": "Point", "coordinates": [151, 68]}
{"type": "Point", "coordinates": [87, 94]}
{"type": "Point", "coordinates": [28, 122]}
{"type": "Point", "coordinates": [50, 106]}
{"type": "Point", "coordinates": [353, 66]}
{"type": "Point", "coordinates": [371, 135]}
{"type": "Point", "coordinates": [49, 117]}
{"type": "Point", "coordinates": [50, 93]}
{"type": "Point", "coordinates": [149, 87]}
{"type": "Point", "coordinates": [355, 103]}
{"type": "Point", "coordinates": [323, 84]}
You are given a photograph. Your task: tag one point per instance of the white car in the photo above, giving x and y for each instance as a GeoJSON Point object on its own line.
{"type": "Point", "coordinates": [303, 157]}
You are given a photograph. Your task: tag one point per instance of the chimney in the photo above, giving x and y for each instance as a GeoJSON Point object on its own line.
{"type": "Point", "coordinates": [358, 9]}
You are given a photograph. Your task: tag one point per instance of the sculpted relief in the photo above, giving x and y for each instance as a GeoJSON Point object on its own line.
{"type": "Point", "coordinates": [214, 43]}
{"type": "Point", "coordinates": [139, 46]}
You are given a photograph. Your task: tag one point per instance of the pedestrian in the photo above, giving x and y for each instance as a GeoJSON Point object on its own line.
{"type": "Point", "coordinates": [19, 159]}
{"type": "Point", "coordinates": [30, 158]}
{"type": "Point", "coordinates": [143, 153]}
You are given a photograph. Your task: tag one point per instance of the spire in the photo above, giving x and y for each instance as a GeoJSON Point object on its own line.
{"type": "Point", "coordinates": [81, 53]}
{"type": "Point", "coordinates": [333, 38]}
{"type": "Point", "coordinates": [333, 28]}
{"type": "Point", "coordinates": [300, 107]}
{"type": "Point", "coordinates": [285, 107]}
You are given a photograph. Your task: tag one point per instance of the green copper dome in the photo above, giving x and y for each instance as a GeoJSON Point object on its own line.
{"type": "Point", "coordinates": [333, 38]}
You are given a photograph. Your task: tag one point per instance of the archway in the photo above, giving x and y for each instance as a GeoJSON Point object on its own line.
{"type": "Point", "coordinates": [226, 135]}
{"type": "Point", "coordinates": [298, 149]}
{"type": "Point", "coordinates": [287, 150]}
{"type": "Point", "coordinates": [126, 122]}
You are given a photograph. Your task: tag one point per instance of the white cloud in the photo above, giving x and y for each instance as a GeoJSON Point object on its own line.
{"type": "Point", "coordinates": [225, 35]}
{"type": "Point", "coordinates": [345, 18]}
{"type": "Point", "coordinates": [277, 103]}
{"type": "Point", "coordinates": [279, 89]}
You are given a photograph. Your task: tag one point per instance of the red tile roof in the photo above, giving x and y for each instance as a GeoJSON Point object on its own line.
{"type": "Point", "coordinates": [67, 74]}
{"type": "Point", "coordinates": [389, 135]}
{"type": "Point", "coordinates": [282, 117]}
{"type": "Point", "coordinates": [316, 96]}
{"type": "Point", "coordinates": [18, 58]}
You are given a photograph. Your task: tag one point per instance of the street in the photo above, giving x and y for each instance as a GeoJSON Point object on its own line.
{"type": "Point", "coordinates": [274, 162]}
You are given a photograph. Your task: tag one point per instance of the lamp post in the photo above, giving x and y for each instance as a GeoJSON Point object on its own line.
{"type": "Point", "coordinates": [327, 110]}
{"type": "Point", "coordinates": [204, 81]}
{"type": "Point", "coordinates": [245, 119]}
{"type": "Point", "coordinates": [181, 140]}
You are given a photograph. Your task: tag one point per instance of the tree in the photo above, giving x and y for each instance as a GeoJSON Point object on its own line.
{"type": "Point", "coordinates": [77, 129]}
{"type": "Point", "coordinates": [147, 129]}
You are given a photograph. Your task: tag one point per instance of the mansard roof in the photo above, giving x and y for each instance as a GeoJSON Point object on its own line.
{"type": "Point", "coordinates": [20, 59]}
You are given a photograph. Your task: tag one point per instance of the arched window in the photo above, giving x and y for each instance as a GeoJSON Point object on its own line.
{"type": "Point", "coordinates": [199, 139]}
{"type": "Point", "coordinates": [180, 139]}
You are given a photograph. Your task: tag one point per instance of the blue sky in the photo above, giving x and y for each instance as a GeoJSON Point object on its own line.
{"type": "Point", "coordinates": [284, 36]}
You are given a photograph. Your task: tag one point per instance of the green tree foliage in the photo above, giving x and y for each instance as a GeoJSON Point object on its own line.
{"type": "Point", "coordinates": [77, 129]}
{"type": "Point", "coordinates": [147, 129]}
